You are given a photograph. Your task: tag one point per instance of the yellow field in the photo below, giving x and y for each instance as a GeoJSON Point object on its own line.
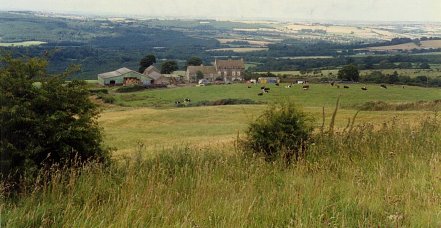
{"type": "Point", "coordinates": [25, 44]}
{"type": "Point", "coordinates": [252, 42]}
{"type": "Point", "coordinates": [240, 50]}
{"type": "Point", "coordinates": [408, 46]}
{"type": "Point", "coordinates": [157, 129]}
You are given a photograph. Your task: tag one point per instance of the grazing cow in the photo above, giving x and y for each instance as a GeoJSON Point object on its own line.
{"type": "Point", "coordinates": [263, 87]}
{"type": "Point", "coordinates": [177, 102]}
{"type": "Point", "coordinates": [346, 87]}
{"type": "Point", "coordinates": [277, 84]}
{"type": "Point", "coordinates": [187, 100]}
{"type": "Point", "coordinates": [266, 89]}
{"type": "Point", "coordinates": [260, 94]}
{"type": "Point", "coordinates": [383, 86]}
{"type": "Point", "coordinates": [288, 86]}
{"type": "Point", "coordinates": [305, 87]}
{"type": "Point", "coordinates": [364, 88]}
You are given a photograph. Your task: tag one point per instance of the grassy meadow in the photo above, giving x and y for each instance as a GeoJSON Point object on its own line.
{"type": "Point", "coordinates": [318, 95]}
{"type": "Point", "coordinates": [182, 166]}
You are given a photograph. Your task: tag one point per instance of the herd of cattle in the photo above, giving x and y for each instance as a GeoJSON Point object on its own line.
{"type": "Point", "coordinates": [306, 86]}
{"type": "Point", "coordinates": [265, 89]}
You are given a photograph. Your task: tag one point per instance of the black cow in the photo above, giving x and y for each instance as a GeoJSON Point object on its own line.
{"type": "Point", "coordinates": [260, 94]}
{"type": "Point", "coordinates": [364, 88]}
{"type": "Point", "coordinates": [383, 86]}
{"type": "Point", "coordinates": [346, 87]}
{"type": "Point", "coordinates": [305, 87]}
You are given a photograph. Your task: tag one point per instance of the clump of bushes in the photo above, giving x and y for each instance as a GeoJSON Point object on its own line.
{"type": "Point", "coordinates": [228, 101]}
{"type": "Point", "coordinates": [384, 106]}
{"type": "Point", "coordinates": [130, 88]}
{"type": "Point", "coordinates": [106, 98]}
{"type": "Point", "coordinates": [98, 91]}
{"type": "Point", "coordinates": [282, 131]}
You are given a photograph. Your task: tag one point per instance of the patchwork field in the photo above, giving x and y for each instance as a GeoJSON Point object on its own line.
{"type": "Point", "coordinates": [428, 44]}
{"type": "Point", "coordinates": [434, 72]}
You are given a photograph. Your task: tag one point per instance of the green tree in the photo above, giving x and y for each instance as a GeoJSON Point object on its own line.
{"type": "Point", "coordinates": [168, 67]}
{"type": "Point", "coordinates": [424, 66]}
{"type": "Point", "coordinates": [145, 62]}
{"type": "Point", "coordinates": [194, 61]}
{"type": "Point", "coordinates": [394, 78]}
{"type": "Point", "coordinates": [349, 72]}
{"type": "Point", "coordinates": [199, 75]}
{"type": "Point", "coordinates": [45, 124]}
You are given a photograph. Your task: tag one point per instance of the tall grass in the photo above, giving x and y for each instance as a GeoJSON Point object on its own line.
{"type": "Point", "coordinates": [371, 176]}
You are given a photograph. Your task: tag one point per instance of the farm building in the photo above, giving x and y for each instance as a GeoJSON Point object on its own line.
{"type": "Point", "coordinates": [208, 72]}
{"type": "Point", "coordinates": [123, 76]}
{"type": "Point", "coordinates": [224, 70]}
{"type": "Point", "coordinates": [230, 70]}
{"type": "Point", "coordinates": [264, 80]}
{"type": "Point", "coordinates": [154, 73]}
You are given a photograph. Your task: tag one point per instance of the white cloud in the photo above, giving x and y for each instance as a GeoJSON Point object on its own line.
{"type": "Point", "coordinates": [391, 10]}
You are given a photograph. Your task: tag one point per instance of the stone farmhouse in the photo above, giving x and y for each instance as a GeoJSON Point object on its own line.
{"type": "Point", "coordinates": [223, 70]}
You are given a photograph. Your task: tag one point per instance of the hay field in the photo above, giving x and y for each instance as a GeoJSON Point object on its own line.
{"type": "Point", "coordinates": [427, 44]}
{"type": "Point", "coordinates": [23, 44]}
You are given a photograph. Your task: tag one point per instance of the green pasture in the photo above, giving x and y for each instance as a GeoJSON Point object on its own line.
{"type": "Point", "coordinates": [317, 96]}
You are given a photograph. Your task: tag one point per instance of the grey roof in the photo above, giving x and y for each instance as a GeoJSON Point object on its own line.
{"type": "Point", "coordinates": [206, 70]}
{"type": "Point", "coordinates": [151, 69]}
{"type": "Point", "coordinates": [152, 72]}
{"type": "Point", "coordinates": [229, 64]}
{"type": "Point", "coordinates": [117, 73]}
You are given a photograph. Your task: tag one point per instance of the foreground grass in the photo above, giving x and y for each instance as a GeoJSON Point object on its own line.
{"type": "Point", "coordinates": [385, 177]}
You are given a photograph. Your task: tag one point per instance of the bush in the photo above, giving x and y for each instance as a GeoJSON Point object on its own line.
{"type": "Point", "coordinates": [281, 131]}
{"type": "Point", "coordinates": [52, 124]}
{"type": "Point", "coordinates": [98, 91]}
{"type": "Point", "coordinates": [106, 98]}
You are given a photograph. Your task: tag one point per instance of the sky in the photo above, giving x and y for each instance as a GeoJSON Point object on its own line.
{"type": "Point", "coordinates": [287, 10]}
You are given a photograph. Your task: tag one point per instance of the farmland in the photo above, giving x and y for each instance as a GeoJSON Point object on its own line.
{"type": "Point", "coordinates": [178, 154]}
{"type": "Point", "coordinates": [428, 44]}
{"type": "Point", "coordinates": [180, 166]}
{"type": "Point", "coordinates": [22, 44]}
{"type": "Point", "coordinates": [319, 95]}
{"type": "Point", "coordinates": [167, 126]}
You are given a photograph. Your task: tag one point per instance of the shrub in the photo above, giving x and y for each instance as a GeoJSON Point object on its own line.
{"type": "Point", "coordinates": [98, 91]}
{"type": "Point", "coordinates": [281, 131]}
{"type": "Point", "coordinates": [52, 124]}
{"type": "Point", "coordinates": [106, 98]}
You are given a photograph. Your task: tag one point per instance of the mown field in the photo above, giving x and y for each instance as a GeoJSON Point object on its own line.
{"type": "Point", "coordinates": [181, 166]}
